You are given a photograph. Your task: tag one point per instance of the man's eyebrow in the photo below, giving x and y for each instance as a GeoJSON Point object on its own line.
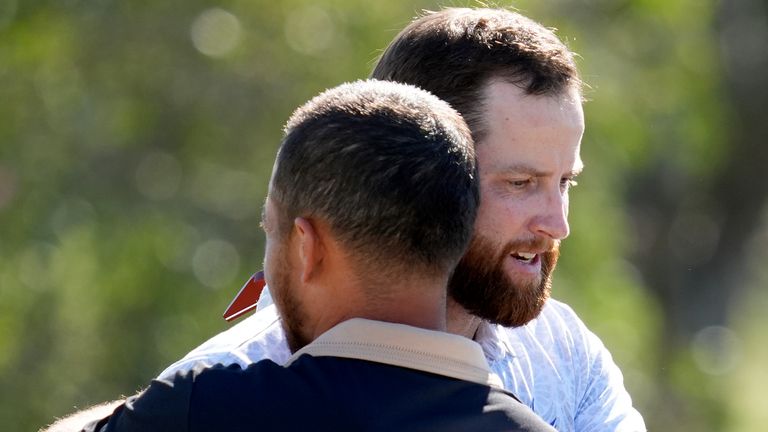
{"type": "Point", "coordinates": [534, 172]}
{"type": "Point", "coordinates": [520, 169]}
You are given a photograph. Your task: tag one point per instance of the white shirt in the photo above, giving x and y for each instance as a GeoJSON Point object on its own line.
{"type": "Point", "coordinates": [553, 364]}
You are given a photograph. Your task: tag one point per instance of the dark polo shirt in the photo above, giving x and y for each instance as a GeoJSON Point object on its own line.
{"type": "Point", "coordinates": [359, 376]}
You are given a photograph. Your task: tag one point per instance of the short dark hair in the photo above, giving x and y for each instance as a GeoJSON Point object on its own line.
{"type": "Point", "coordinates": [390, 168]}
{"type": "Point", "coordinates": [454, 53]}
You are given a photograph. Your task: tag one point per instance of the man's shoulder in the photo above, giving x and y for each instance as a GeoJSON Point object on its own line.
{"type": "Point", "coordinates": [546, 363]}
{"type": "Point", "coordinates": [556, 325]}
{"type": "Point", "coordinates": [557, 336]}
{"type": "Point", "coordinates": [260, 325]}
{"type": "Point", "coordinates": [558, 365]}
{"type": "Point", "coordinates": [258, 337]}
{"type": "Point", "coordinates": [558, 316]}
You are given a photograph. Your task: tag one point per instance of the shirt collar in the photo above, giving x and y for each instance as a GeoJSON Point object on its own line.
{"type": "Point", "coordinates": [488, 338]}
{"type": "Point", "coordinates": [405, 346]}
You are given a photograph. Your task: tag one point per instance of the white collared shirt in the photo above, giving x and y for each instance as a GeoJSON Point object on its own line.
{"type": "Point", "coordinates": [553, 364]}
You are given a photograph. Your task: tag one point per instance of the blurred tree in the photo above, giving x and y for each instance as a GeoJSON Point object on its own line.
{"type": "Point", "coordinates": [136, 141]}
{"type": "Point", "coordinates": [700, 200]}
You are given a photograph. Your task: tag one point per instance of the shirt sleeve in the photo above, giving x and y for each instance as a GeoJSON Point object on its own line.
{"type": "Point", "coordinates": [605, 405]}
{"type": "Point", "coordinates": [258, 337]}
{"type": "Point", "coordinates": [162, 407]}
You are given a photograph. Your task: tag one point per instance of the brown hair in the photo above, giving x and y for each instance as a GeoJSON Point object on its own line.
{"type": "Point", "coordinates": [390, 167]}
{"type": "Point", "coordinates": [455, 52]}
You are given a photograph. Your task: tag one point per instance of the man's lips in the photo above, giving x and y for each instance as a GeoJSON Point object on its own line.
{"type": "Point", "coordinates": [525, 262]}
{"type": "Point", "coordinates": [526, 257]}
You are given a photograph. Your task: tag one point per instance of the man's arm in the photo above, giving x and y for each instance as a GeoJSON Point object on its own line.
{"type": "Point", "coordinates": [258, 337]}
{"type": "Point", "coordinates": [162, 407]}
{"type": "Point", "coordinates": [562, 370]}
{"type": "Point", "coordinates": [255, 338]}
{"type": "Point", "coordinates": [604, 404]}
{"type": "Point", "coordinates": [75, 422]}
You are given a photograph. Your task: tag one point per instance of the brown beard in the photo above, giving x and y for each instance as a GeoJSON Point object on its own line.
{"type": "Point", "coordinates": [288, 304]}
{"type": "Point", "coordinates": [481, 285]}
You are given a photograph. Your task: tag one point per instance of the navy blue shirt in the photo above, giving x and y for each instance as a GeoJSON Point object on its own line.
{"type": "Point", "coordinates": [319, 393]}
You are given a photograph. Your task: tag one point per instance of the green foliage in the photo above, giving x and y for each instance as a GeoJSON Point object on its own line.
{"type": "Point", "coordinates": [137, 138]}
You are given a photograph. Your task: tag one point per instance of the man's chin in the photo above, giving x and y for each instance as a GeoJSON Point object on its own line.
{"type": "Point", "coordinates": [502, 302]}
{"type": "Point", "coordinates": [520, 316]}
{"type": "Point", "coordinates": [495, 289]}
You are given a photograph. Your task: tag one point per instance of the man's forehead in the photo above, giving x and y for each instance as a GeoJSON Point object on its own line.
{"type": "Point", "coordinates": [503, 98]}
{"type": "Point", "coordinates": [541, 131]}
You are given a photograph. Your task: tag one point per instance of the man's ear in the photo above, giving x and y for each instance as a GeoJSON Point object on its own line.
{"type": "Point", "coordinates": [310, 248]}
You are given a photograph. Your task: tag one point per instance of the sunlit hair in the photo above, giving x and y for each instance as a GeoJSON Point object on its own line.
{"type": "Point", "coordinates": [390, 168]}
{"type": "Point", "coordinates": [456, 52]}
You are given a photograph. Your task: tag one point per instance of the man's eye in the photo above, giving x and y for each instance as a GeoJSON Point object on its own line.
{"type": "Point", "coordinates": [518, 183]}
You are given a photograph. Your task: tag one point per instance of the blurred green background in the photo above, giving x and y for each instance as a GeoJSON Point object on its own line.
{"type": "Point", "coordinates": [136, 141]}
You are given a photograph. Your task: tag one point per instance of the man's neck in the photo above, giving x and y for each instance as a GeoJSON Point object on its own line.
{"type": "Point", "coordinates": [459, 321]}
{"type": "Point", "coordinates": [415, 301]}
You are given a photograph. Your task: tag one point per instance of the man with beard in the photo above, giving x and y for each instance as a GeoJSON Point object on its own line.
{"type": "Point", "coordinates": [517, 86]}
{"type": "Point", "coordinates": [370, 206]}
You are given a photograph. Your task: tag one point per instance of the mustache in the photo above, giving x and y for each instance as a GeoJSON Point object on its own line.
{"type": "Point", "coordinates": [540, 245]}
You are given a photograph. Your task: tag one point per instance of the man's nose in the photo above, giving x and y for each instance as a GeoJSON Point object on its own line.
{"type": "Point", "coordinates": [552, 220]}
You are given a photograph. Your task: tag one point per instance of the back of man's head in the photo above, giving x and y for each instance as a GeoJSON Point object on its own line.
{"type": "Point", "coordinates": [389, 167]}
{"type": "Point", "coordinates": [455, 52]}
